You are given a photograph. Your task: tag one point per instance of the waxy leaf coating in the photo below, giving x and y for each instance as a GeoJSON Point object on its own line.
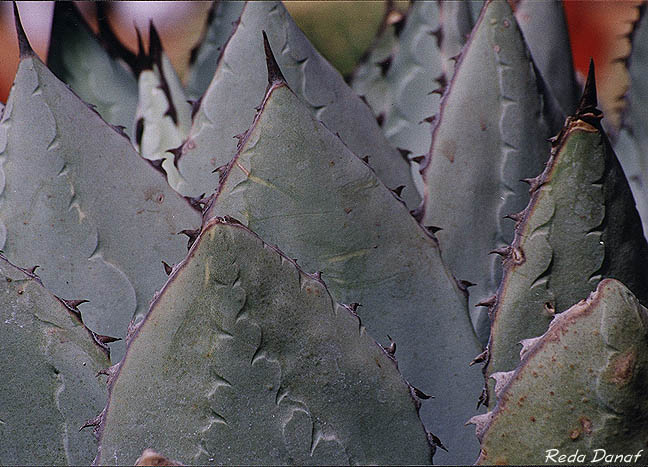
{"type": "Point", "coordinates": [250, 361]}
{"type": "Point", "coordinates": [77, 200]}
{"type": "Point", "coordinates": [78, 59]}
{"type": "Point", "coordinates": [297, 185]}
{"type": "Point", "coordinates": [221, 20]}
{"type": "Point", "coordinates": [580, 386]}
{"type": "Point", "coordinates": [163, 112]}
{"type": "Point", "coordinates": [490, 135]}
{"type": "Point", "coordinates": [228, 105]}
{"type": "Point", "coordinates": [49, 388]}
{"type": "Point", "coordinates": [580, 226]}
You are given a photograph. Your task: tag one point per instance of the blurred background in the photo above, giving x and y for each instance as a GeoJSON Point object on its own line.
{"type": "Point", "coordinates": [341, 31]}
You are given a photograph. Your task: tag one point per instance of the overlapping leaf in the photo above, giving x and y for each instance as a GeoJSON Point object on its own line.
{"type": "Point", "coordinates": [490, 135]}
{"type": "Point", "coordinates": [580, 226]}
{"type": "Point", "coordinates": [251, 362]}
{"type": "Point", "coordinates": [204, 57]}
{"type": "Point", "coordinates": [163, 112]}
{"type": "Point", "coordinates": [580, 387]}
{"type": "Point", "coordinates": [238, 86]}
{"type": "Point", "coordinates": [544, 27]}
{"type": "Point", "coordinates": [368, 78]}
{"type": "Point", "coordinates": [298, 186]}
{"type": "Point", "coordinates": [633, 138]}
{"type": "Point", "coordinates": [49, 363]}
{"type": "Point", "coordinates": [79, 202]}
{"type": "Point", "coordinates": [78, 58]}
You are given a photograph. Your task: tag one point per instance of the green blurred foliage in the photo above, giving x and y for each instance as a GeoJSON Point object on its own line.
{"type": "Point", "coordinates": [341, 30]}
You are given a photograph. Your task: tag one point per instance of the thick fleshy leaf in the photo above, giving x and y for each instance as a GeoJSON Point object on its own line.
{"type": "Point", "coordinates": [78, 59]}
{"type": "Point", "coordinates": [490, 135]}
{"type": "Point", "coordinates": [417, 72]}
{"type": "Point", "coordinates": [456, 23]}
{"type": "Point", "coordinates": [298, 186]}
{"type": "Point", "coordinates": [203, 62]}
{"type": "Point", "coordinates": [78, 201]}
{"type": "Point", "coordinates": [368, 78]}
{"type": "Point", "coordinates": [238, 86]}
{"type": "Point", "coordinates": [476, 7]}
{"type": "Point", "coordinates": [632, 141]}
{"type": "Point", "coordinates": [163, 112]}
{"type": "Point", "coordinates": [411, 81]}
{"type": "Point", "coordinates": [580, 388]}
{"type": "Point", "coordinates": [544, 27]}
{"type": "Point", "coordinates": [48, 363]}
{"type": "Point", "coordinates": [580, 226]}
{"type": "Point", "coordinates": [251, 362]}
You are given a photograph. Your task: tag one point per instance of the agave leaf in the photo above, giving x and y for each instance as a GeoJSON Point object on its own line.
{"type": "Point", "coordinates": [490, 134]}
{"type": "Point", "coordinates": [163, 112]}
{"type": "Point", "coordinates": [368, 79]}
{"type": "Point", "coordinates": [403, 96]}
{"type": "Point", "coordinates": [410, 79]}
{"type": "Point", "coordinates": [48, 387]}
{"type": "Point", "coordinates": [238, 86]}
{"type": "Point", "coordinates": [80, 202]}
{"type": "Point", "coordinates": [204, 56]}
{"type": "Point", "coordinates": [408, 99]}
{"type": "Point", "coordinates": [544, 28]}
{"type": "Point", "coordinates": [634, 166]}
{"type": "Point", "coordinates": [251, 360]}
{"type": "Point", "coordinates": [581, 386]}
{"type": "Point", "coordinates": [476, 7]}
{"type": "Point", "coordinates": [77, 58]}
{"type": "Point", "coordinates": [456, 22]}
{"type": "Point", "coordinates": [632, 141]}
{"type": "Point", "coordinates": [326, 208]}
{"type": "Point", "coordinates": [580, 226]}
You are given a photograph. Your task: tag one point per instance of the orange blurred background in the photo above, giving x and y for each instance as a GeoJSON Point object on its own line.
{"type": "Point", "coordinates": [341, 31]}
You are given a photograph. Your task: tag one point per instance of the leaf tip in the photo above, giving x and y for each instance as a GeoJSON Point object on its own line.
{"type": "Point", "coordinates": [589, 99]}
{"type": "Point", "coordinates": [274, 72]}
{"type": "Point", "coordinates": [24, 46]}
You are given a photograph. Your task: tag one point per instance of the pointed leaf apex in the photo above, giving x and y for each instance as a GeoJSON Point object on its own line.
{"type": "Point", "coordinates": [140, 41]}
{"type": "Point", "coordinates": [589, 100]}
{"type": "Point", "coordinates": [274, 72]}
{"type": "Point", "coordinates": [23, 43]}
{"type": "Point", "coordinates": [143, 60]}
{"type": "Point", "coordinates": [155, 44]}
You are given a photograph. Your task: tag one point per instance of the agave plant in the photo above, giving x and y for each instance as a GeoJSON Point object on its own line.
{"type": "Point", "coordinates": [334, 294]}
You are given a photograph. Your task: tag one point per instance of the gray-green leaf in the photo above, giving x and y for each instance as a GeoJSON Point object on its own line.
{"type": "Point", "coordinates": [221, 18]}
{"type": "Point", "coordinates": [490, 135]}
{"type": "Point", "coordinates": [251, 362]}
{"type": "Point", "coordinates": [78, 201]}
{"type": "Point", "coordinates": [580, 387]}
{"type": "Point", "coordinates": [580, 226]}
{"type": "Point", "coordinates": [297, 185]}
{"type": "Point", "coordinates": [49, 388]}
{"type": "Point", "coordinates": [78, 59]}
{"type": "Point", "coordinates": [163, 112]}
{"type": "Point", "coordinates": [227, 108]}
